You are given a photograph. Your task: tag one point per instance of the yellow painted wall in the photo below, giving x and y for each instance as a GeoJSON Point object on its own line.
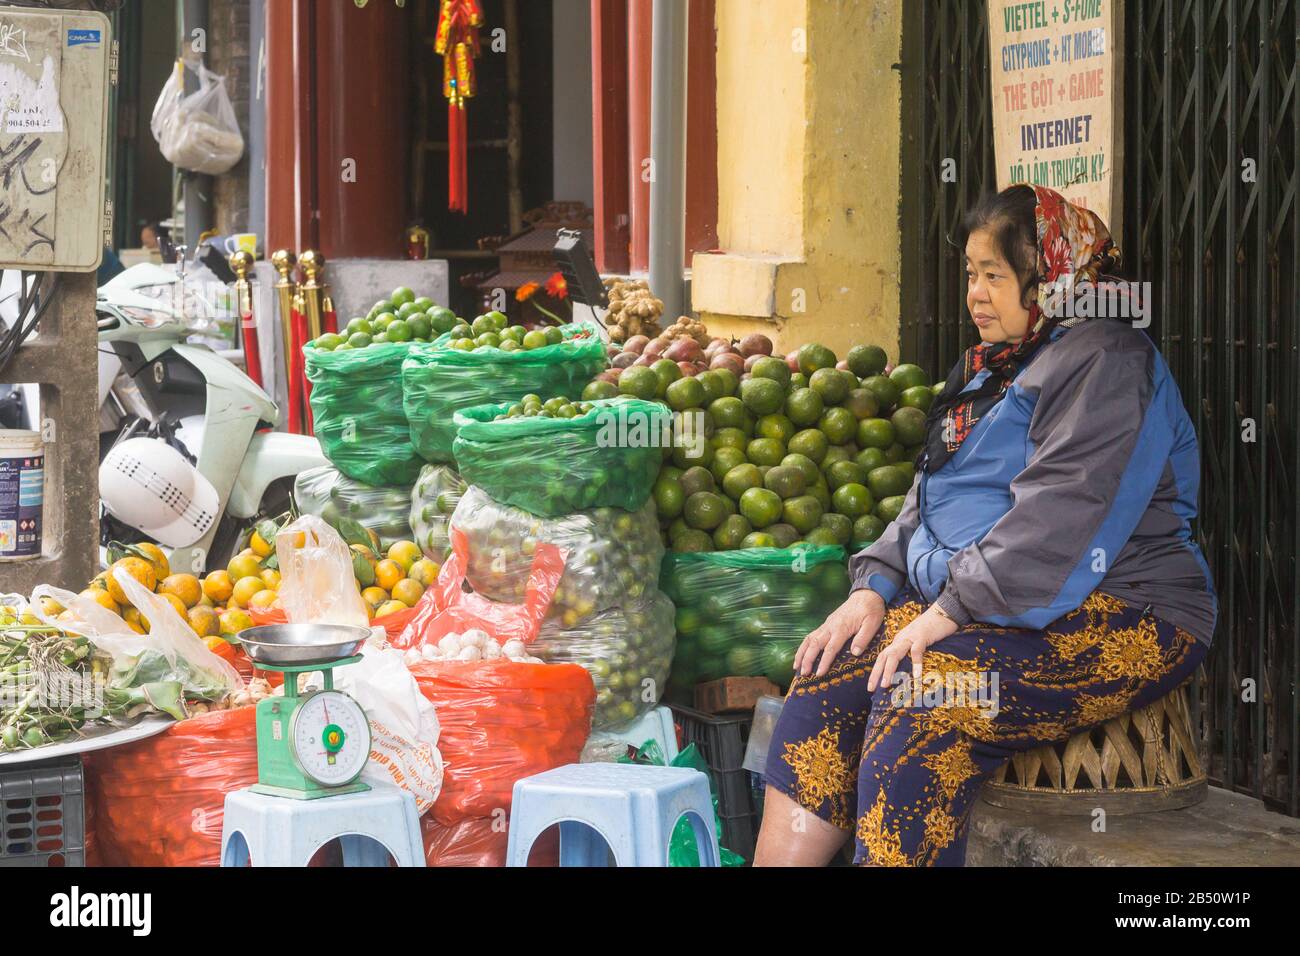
{"type": "Point", "coordinates": [815, 82]}
{"type": "Point", "coordinates": [761, 77]}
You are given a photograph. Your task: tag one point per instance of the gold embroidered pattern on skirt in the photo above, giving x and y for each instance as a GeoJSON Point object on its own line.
{"type": "Point", "coordinates": [1097, 709]}
{"type": "Point", "coordinates": [820, 769]}
{"type": "Point", "coordinates": [1070, 646]}
{"type": "Point", "coordinates": [967, 719]}
{"type": "Point", "coordinates": [883, 847]}
{"type": "Point", "coordinates": [940, 829]}
{"type": "Point", "coordinates": [897, 618]}
{"type": "Point", "coordinates": [1132, 652]}
{"type": "Point", "coordinates": [952, 767]}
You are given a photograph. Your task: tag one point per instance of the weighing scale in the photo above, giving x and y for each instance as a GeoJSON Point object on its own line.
{"type": "Point", "coordinates": [315, 744]}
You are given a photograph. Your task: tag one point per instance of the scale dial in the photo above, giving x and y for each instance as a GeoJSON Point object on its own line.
{"type": "Point", "coordinates": [330, 738]}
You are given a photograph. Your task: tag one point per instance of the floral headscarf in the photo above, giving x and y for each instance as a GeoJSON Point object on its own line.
{"type": "Point", "coordinates": [1074, 246]}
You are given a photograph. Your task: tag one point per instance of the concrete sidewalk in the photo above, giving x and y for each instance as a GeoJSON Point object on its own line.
{"type": "Point", "coordinates": [1227, 829]}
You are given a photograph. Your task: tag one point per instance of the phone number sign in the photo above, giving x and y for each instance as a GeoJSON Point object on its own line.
{"type": "Point", "coordinates": [1055, 72]}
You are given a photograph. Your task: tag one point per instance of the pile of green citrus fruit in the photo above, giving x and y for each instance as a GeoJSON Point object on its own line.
{"type": "Point", "coordinates": [627, 650]}
{"type": "Point", "coordinates": [490, 331]}
{"type": "Point", "coordinates": [532, 406]}
{"type": "Point", "coordinates": [740, 618]}
{"type": "Point", "coordinates": [800, 448]}
{"type": "Point", "coordinates": [402, 317]}
{"type": "Point", "coordinates": [613, 555]}
{"type": "Point", "coordinates": [434, 497]}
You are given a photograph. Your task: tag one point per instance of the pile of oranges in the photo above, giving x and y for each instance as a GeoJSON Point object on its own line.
{"type": "Point", "coordinates": [394, 582]}
{"type": "Point", "coordinates": [217, 606]}
{"type": "Point", "coordinates": [147, 564]}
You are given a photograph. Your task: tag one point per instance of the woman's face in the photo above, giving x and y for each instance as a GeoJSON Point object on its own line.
{"type": "Point", "coordinates": [993, 292]}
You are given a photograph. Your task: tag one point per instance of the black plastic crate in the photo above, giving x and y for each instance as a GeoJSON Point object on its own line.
{"type": "Point", "coordinates": [721, 741]}
{"type": "Point", "coordinates": [42, 814]}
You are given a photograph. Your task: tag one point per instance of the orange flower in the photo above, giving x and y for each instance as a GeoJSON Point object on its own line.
{"type": "Point", "coordinates": [557, 287]}
{"type": "Point", "coordinates": [526, 291]}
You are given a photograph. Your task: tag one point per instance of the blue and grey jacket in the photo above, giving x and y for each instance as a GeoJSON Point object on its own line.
{"type": "Point", "coordinates": [1084, 477]}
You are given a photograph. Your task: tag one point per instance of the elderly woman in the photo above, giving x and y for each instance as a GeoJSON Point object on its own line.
{"type": "Point", "coordinates": [1041, 578]}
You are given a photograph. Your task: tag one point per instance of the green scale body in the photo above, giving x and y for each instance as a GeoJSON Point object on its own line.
{"type": "Point", "coordinates": [311, 745]}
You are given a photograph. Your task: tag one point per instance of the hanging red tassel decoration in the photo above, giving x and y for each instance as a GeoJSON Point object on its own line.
{"type": "Point", "coordinates": [456, 41]}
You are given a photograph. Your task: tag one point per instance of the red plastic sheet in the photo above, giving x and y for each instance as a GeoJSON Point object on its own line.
{"type": "Point", "coordinates": [478, 842]}
{"type": "Point", "coordinates": [159, 802]}
{"type": "Point", "coordinates": [500, 721]}
{"type": "Point", "coordinates": [446, 606]}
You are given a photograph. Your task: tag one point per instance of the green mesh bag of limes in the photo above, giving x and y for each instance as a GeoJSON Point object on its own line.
{"type": "Point", "coordinates": [357, 413]}
{"type": "Point", "coordinates": [437, 381]}
{"type": "Point", "coordinates": [744, 613]}
{"type": "Point", "coordinates": [607, 457]}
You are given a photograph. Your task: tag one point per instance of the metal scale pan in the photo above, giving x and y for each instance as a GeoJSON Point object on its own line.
{"type": "Point", "coordinates": [296, 644]}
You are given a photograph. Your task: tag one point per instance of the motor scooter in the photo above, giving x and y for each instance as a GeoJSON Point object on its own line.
{"type": "Point", "coordinates": [190, 459]}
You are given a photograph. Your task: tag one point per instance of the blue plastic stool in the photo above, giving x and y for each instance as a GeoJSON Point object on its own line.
{"type": "Point", "coordinates": [278, 831]}
{"type": "Point", "coordinates": [655, 724]}
{"type": "Point", "coordinates": [633, 808]}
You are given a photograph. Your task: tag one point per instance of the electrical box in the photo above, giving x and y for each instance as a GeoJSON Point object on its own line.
{"type": "Point", "coordinates": [54, 86]}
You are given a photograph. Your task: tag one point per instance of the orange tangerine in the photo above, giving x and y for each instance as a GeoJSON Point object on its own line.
{"type": "Point", "coordinates": [375, 596]}
{"type": "Point", "coordinates": [407, 591]}
{"type": "Point", "coordinates": [218, 586]}
{"type": "Point", "coordinates": [234, 620]}
{"type": "Point", "coordinates": [262, 599]}
{"type": "Point", "coordinates": [138, 568]}
{"type": "Point", "coordinates": [405, 553]}
{"type": "Point", "coordinates": [261, 547]}
{"type": "Point", "coordinates": [135, 621]}
{"type": "Point", "coordinates": [389, 607]}
{"type": "Point", "coordinates": [388, 573]}
{"type": "Point", "coordinates": [244, 590]}
{"type": "Point", "coordinates": [244, 566]}
{"type": "Point", "coordinates": [156, 557]}
{"type": "Point", "coordinates": [177, 605]}
{"type": "Point", "coordinates": [103, 598]}
{"type": "Point", "coordinates": [271, 578]}
{"type": "Point", "coordinates": [184, 586]}
{"type": "Point", "coordinates": [423, 571]}
{"type": "Point", "coordinates": [365, 552]}
{"type": "Point", "coordinates": [204, 621]}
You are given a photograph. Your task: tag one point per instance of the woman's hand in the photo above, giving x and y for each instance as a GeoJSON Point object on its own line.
{"type": "Point", "coordinates": [858, 617]}
{"type": "Point", "coordinates": [928, 628]}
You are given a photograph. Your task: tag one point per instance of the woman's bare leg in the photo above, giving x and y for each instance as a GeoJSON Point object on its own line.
{"type": "Point", "coordinates": [791, 836]}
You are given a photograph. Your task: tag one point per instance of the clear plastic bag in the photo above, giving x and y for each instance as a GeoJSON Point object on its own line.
{"type": "Point", "coordinates": [329, 494]}
{"type": "Point", "coordinates": [627, 650]}
{"type": "Point", "coordinates": [316, 580]}
{"type": "Point", "coordinates": [198, 132]}
{"type": "Point", "coordinates": [613, 555]}
{"type": "Point", "coordinates": [744, 613]}
{"type": "Point", "coordinates": [436, 494]}
{"type": "Point", "coordinates": [170, 651]}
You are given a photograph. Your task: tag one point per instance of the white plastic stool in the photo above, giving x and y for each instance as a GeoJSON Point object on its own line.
{"type": "Point", "coordinates": [633, 808]}
{"type": "Point", "coordinates": [279, 831]}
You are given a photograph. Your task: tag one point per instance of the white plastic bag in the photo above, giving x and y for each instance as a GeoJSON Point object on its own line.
{"type": "Point", "coordinates": [317, 585]}
{"type": "Point", "coordinates": [198, 132]}
{"type": "Point", "coordinates": [403, 725]}
{"type": "Point", "coordinates": [202, 674]}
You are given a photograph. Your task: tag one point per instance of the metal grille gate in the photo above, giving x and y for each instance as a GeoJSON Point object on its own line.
{"type": "Point", "coordinates": [1212, 130]}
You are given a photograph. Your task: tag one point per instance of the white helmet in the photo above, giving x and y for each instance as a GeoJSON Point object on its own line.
{"type": "Point", "coordinates": [149, 485]}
